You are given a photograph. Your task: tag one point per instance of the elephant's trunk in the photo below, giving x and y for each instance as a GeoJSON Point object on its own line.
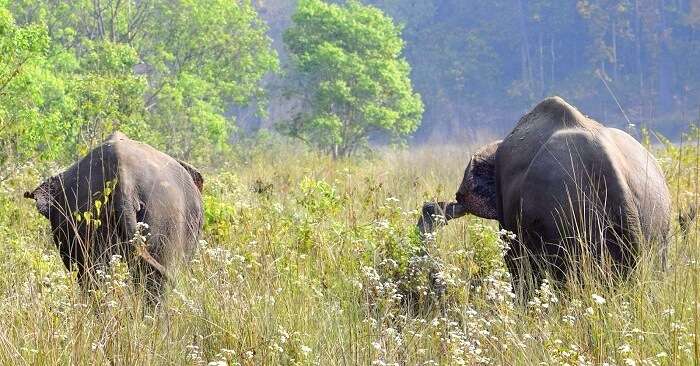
{"type": "Point", "coordinates": [438, 213]}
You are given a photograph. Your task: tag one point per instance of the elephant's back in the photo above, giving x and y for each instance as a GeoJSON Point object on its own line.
{"type": "Point", "coordinates": [572, 169]}
{"type": "Point", "coordinates": [518, 150]}
{"type": "Point", "coordinates": [593, 186]}
{"type": "Point", "coordinates": [535, 128]}
{"type": "Point", "coordinates": [164, 196]}
{"type": "Point", "coordinates": [645, 180]}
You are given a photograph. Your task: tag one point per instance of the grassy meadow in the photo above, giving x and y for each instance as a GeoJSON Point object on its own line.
{"type": "Point", "coordinates": [309, 260]}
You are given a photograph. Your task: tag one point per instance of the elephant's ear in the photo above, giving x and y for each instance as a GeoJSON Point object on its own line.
{"type": "Point", "coordinates": [44, 195]}
{"type": "Point", "coordinates": [478, 189]}
{"type": "Point", "coordinates": [484, 184]}
{"type": "Point", "coordinates": [194, 173]}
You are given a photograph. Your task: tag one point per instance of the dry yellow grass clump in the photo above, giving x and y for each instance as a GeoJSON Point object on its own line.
{"type": "Point", "coordinates": [307, 260]}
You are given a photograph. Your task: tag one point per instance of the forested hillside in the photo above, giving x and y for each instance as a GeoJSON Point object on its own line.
{"type": "Point", "coordinates": [205, 71]}
{"type": "Point", "coordinates": [479, 65]}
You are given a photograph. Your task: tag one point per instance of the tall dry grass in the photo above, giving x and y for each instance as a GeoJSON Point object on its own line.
{"type": "Point", "coordinates": [306, 260]}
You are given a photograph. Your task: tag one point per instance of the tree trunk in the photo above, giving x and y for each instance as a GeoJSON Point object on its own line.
{"type": "Point", "coordinates": [614, 45]}
{"type": "Point", "coordinates": [553, 58]}
{"type": "Point", "coordinates": [542, 91]}
{"type": "Point", "coordinates": [665, 66]}
{"type": "Point", "coordinates": [638, 37]}
{"type": "Point", "coordinates": [526, 64]}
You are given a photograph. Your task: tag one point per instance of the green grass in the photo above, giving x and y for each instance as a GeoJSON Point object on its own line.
{"type": "Point", "coordinates": [307, 260]}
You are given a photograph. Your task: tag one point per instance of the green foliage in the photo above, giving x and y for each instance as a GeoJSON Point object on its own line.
{"type": "Point", "coordinates": [352, 79]}
{"type": "Point", "coordinates": [487, 245]}
{"type": "Point", "coordinates": [104, 95]}
{"type": "Point", "coordinates": [220, 205]}
{"type": "Point", "coordinates": [161, 71]}
{"type": "Point", "coordinates": [318, 197]}
{"type": "Point", "coordinates": [215, 54]}
{"type": "Point", "coordinates": [23, 50]}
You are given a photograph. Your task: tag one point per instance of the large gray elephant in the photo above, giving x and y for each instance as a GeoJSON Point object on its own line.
{"type": "Point", "coordinates": [569, 188]}
{"type": "Point", "coordinates": [95, 208]}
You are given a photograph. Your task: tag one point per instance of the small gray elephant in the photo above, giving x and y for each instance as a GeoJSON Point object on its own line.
{"type": "Point", "coordinates": [96, 208]}
{"type": "Point", "coordinates": [565, 185]}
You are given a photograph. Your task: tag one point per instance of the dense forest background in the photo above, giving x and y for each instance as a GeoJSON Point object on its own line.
{"type": "Point", "coordinates": [198, 78]}
{"type": "Point", "coordinates": [479, 65]}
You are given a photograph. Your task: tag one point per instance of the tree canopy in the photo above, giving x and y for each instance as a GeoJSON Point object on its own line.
{"type": "Point", "coordinates": [166, 72]}
{"type": "Point", "coordinates": [182, 75]}
{"type": "Point", "coordinates": [479, 65]}
{"type": "Point", "coordinates": [23, 52]}
{"type": "Point", "coordinates": [349, 77]}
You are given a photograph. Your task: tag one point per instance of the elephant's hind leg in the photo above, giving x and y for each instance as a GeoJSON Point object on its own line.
{"type": "Point", "coordinates": [148, 274]}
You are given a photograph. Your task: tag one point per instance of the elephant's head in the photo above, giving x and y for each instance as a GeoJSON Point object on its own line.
{"type": "Point", "coordinates": [477, 193]}
{"type": "Point", "coordinates": [44, 195]}
{"type": "Point", "coordinates": [68, 233]}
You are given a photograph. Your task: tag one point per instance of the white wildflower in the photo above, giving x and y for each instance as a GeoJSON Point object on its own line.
{"type": "Point", "coordinates": [598, 299]}
{"type": "Point", "coordinates": [624, 349]}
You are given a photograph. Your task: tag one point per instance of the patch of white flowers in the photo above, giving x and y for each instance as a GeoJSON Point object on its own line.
{"type": "Point", "coordinates": [598, 299]}
{"type": "Point", "coordinates": [545, 297]}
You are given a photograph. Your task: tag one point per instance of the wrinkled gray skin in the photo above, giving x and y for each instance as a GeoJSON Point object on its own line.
{"type": "Point", "coordinates": [557, 176]}
{"type": "Point", "coordinates": [151, 187]}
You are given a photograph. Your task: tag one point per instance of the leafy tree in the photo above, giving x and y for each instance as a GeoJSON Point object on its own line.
{"type": "Point", "coordinates": [205, 56]}
{"type": "Point", "coordinates": [164, 71]}
{"type": "Point", "coordinates": [23, 50]}
{"type": "Point", "coordinates": [104, 96]}
{"type": "Point", "coordinates": [350, 77]}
